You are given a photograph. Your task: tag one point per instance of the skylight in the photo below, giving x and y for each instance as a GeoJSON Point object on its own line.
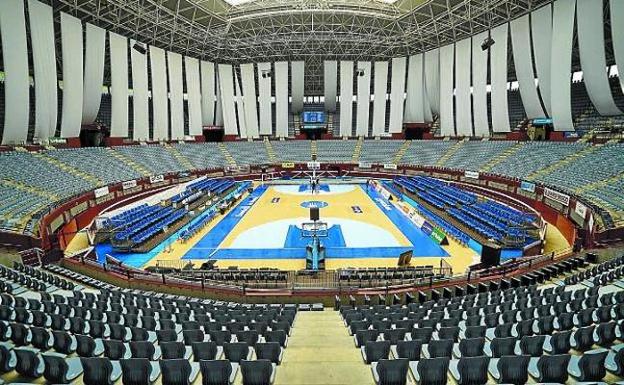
{"type": "Point", "coordinates": [237, 2]}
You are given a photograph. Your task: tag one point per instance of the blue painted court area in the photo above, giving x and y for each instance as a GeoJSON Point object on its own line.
{"type": "Point", "coordinates": [423, 245]}
{"type": "Point", "coordinates": [308, 187]}
{"type": "Point", "coordinates": [334, 238]}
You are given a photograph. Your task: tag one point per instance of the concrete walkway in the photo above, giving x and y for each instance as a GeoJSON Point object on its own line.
{"type": "Point", "coordinates": [321, 352]}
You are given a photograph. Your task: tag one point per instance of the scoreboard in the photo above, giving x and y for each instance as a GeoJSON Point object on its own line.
{"type": "Point", "coordinates": [313, 117]}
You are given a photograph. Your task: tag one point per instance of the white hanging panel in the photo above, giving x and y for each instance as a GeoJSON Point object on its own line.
{"type": "Point", "coordinates": [94, 72]}
{"type": "Point", "coordinates": [140, 101]}
{"type": "Point", "coordinates": [523, 61]}
{"type": "Point", "coordinates": [160, 118]}
{"type": "Point", "coordinates": [346, 98]}
{"type": "Point", "coordinates": [617, 36]}
{"type": "Point", "coordinates": [479, 86]}
{"type": "Point", "coordinates": [541, 31]}
{"type": "Point", "coordinates": [250, 99]}
{"type": "Point", "coordinates": [226, 87]}
{"type": "Point", "coordinates": [432, 79]}
{"type": "Point", "coordinates": [500, 108]}
{"type": "Point", "coordinates": [397, 94]}
{"type": "Point", "coordinates": [264, 89]}
{"type": "Point", "coordinates": [561, 65]}
{"type": "Point", "coordinates": [414, 103]}
{"type": "Point", "coordinates": [593, 60]}
{"type": "Point", "coordinates": [297, 86]}
{"type": "Point", "coordinates": [463, 103]}
{"type": "Point", "coordinates": [330, 83]}
{"type": "Point", "coordinates": [447, 117]}
{"type": "Point", "coordinates": [44, 63]}
{"type": "Point", "coordinates": [218, 121]}
{"type": "Point", "coordinates": [191, 71]}
{"type": "Point", "coordinates": [379, 94]}
{"type": "Point", "coordinates": [118, 46]}
{"type": "Point", "coordinates": [71, 44]}
{"type": "Point", "coordinates": [176, 95]}
{"type": "Point", "coordinates": [240, 108]}
{"type": "Point", "coordinates": [208, 93]}
{"type": "Point", "coordinates": [363, 75]}
{"type": "Point", "coordinates": [281, 99]}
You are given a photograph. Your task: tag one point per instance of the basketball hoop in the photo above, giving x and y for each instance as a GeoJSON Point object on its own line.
{"type": "Point", "coordinates": [314, 229]}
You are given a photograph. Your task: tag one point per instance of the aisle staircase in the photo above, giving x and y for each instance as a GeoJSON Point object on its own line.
{"type": "Point", "coordinates": [179, 157]}
{"type": "Point", "coordinates": [313, 149]}
{"type": "Point", "coordinates": [128, 161]}
{"type": "Point", "coordinates": [270, 151]}
{"type": "Point", "coordinates": [449, 153]}
{"type": "Point", "coordinates": [68, 169]}
{"type": "Point", "coordinates": [321, 352]}
{"type": "Point", "coordinates": [357, 150]}
{"type": "Point", "coordinates": [226, 154]}
{"type": "Point", "coordinates": [399, 155]}
{"type": "Point", "coordinates": [502, 156]}
{"type": "Point", "coordinates": [563, 162]}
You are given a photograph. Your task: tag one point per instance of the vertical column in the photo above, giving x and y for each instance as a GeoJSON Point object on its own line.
{"type": "Point", "coordinates": [94, 72]}
{"type": "Point", "coordinates": [297, 86]}
{"type": "Point", "coordinates": [226, 86]}
{"type": "Point", "coordinates": [447, 117]}
{"type": "Point", "coordinates": [379, 101]}
{"type": "Point", "coordinates": [140, 101]}
{"type": "Point", "coordinates": [118, 46]}
{"type": "Point", "coordinates": [561, 65]}
{"type": "Point", "coordinates": [160, 119]}
{"type": "Point", "coordinates": [176, 95]}
{"type": "Point", "coordinates": [208, 93]}
{"type": "Point", "coordinates": [414, 103]}
{"type": "Point", "coordinates": [479, 86]}
{"type": "Point", "coordinates": [397, 95]}
{"type": "Point", "coordinates": [541, 31]}
{"type": "Point", "coordinates": [500, 108]}
{"type": "Point", "coordinates": [191, 67]}
{"type": "Point", "coordinates": [346, 98]}
{"type": "Point", "coordinates": [363, 75]}
{"type": "Point", "coordinates": [281, 99]}
{"type": "Point", "coordinates": [250, 99]}
{"type": "Point", "coordinates": [44, 63]}
{"type": "Point", "coordinates": [463, 102]}
{"type": "Point", "coordinates": [71, 48]}
{"type": "Point", "coordinates": [264, 88]}
{"type": "Point", "coordinates": [330, 80]}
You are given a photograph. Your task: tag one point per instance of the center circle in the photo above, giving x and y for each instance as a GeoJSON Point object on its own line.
{"type": "Point", "coordinates": [314, 204]}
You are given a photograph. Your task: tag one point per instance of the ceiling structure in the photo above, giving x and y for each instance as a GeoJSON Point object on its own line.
{"type": "Point", "coordinates": [243, 31]}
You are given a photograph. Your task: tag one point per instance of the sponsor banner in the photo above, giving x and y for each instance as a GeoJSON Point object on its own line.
{"type": "Point", "coordinates": [157, 179]}
{"type": "Point", "coordinates": [426, 228]}
{"type": "Point", "coordinates": [314, 165]}
{"type": "Point", "coordinates": [100, 192]}
{"type": "Point", "coordinates": [390, 166]}
{"type": "Point", "coordinates": [100, 222]}
{"type": "Point", "coordinates": [416, 218]}
{"type": "Point", "coordinates": [557, 196]}
{"type": "Point", "coordinates": [471, 174]}
{"type": "Point", "coordinates": [438, 236]}
{"type": "Point", "coordinates": [129, 184]}
{"type": "Point", "coordinates": [288, 165]}
{"type": "Point", "coordinates": [365, 165]}
{"type": "Point", "coordinates": [581, 210]}
{"type": "Point", "coordinates": [527, 186]}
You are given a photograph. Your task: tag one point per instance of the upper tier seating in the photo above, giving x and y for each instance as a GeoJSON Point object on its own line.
{"type": "Point", "coordinates": [107, 168]}
{"type": "Point", "coordinates": [335, 151]}
{"type": "Point", "coordinates": [380, 151]}
{"type": "Point", "coordinates": [292, 151]}
{"type": "Point", "coordinates": [601, 164]}
{"type": "Point", "coordinates": [248, 153]}
{"type": "Point", "coordinates": [426, 152]}
{"type": "Point", "coordinates": [152, 157]}
{"type": "Point", "coordinates": [534, 156]}
{"type": "Point", "coordinates": [203, 155]}
{"type": "Point", "coordinates": [473, 155]}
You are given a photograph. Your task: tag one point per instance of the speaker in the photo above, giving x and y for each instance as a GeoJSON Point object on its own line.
{"type": "Point", "coordinates": [490, 255]}
{"type": "Point", "coordinates": [314, 214]}
{"type": "Point", "coordinates": [487, 43]}
{"type": "Point", "coordinates": [139, 48]}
